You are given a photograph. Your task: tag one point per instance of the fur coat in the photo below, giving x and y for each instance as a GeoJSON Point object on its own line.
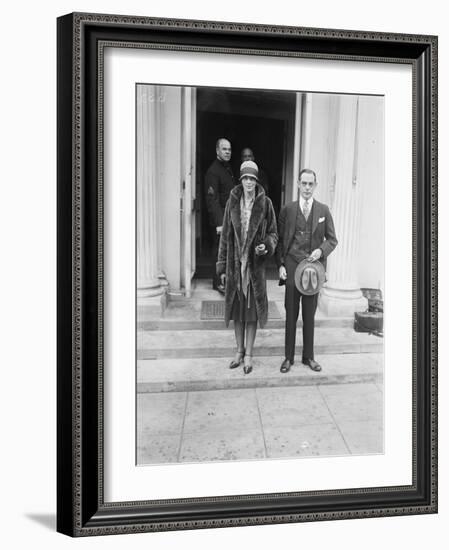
{"type": "Point", "coordinates": [230, 248]}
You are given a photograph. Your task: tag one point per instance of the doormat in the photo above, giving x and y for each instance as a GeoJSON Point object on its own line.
{"type": "Point", "coordinates": [213, 310]}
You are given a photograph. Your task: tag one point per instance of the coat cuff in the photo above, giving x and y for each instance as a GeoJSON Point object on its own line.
{"type": "Point", "coordinates": [269, 245]}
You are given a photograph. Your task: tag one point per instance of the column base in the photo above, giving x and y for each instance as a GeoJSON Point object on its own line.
{"type": "Point", "coordinates": [163, 280]}
{"type": "Point", "coordinates": [151, 307]}
{"type": "Point", "coordinates": [335, 302]}
{"type": "Point", "coordinates": [152, 300]}
{"type": "Point", "coordinates": [150, 290]}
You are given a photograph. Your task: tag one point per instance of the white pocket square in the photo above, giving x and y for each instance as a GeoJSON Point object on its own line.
{"type": "Point", "coordinates": [321, 219]}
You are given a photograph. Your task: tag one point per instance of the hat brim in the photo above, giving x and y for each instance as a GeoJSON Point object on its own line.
{"type": "Point", "coordinates": [309, 277]}
{"type": "Point", "coordinates": [248, 176]}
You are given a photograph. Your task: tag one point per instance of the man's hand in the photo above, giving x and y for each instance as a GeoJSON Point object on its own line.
{"type": "Point", "coordinates": [282, 273]}
{"type": "Point", "coordinates": [261, 250]}
{"type": "Point", "coordinates": [316, 255]}
{"type": "Point", "coordinates": [223, 279]}
{"type": "Point", "coordinates": [219, 228]}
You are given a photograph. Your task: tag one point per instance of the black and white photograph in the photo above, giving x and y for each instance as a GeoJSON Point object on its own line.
{"type": "Point", "coordinates": [260, 274]}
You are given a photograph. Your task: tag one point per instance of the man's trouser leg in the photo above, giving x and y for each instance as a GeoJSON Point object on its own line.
{"type": "Point", "coordinates": [291, 311]}
{"type": "Point", "coordinates": [308, 305]}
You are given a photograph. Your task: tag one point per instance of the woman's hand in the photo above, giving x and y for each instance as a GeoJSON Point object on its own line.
{"type": "Point", "coordinates": [223, 279]}
{"type": "Point", "coordinates": [261, 250]}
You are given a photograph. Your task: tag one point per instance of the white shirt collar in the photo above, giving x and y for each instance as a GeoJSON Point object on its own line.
{"type": "Point", "coordinates": [302, 201]}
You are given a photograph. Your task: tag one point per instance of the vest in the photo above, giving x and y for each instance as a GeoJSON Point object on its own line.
{"type": "Point", "coordinates": [302, 241]}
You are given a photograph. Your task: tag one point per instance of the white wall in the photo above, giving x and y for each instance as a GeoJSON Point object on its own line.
{"type": "Point", "coordinates": [28, 324]}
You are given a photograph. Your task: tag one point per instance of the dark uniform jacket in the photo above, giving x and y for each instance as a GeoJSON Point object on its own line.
{"type": "Point", "coordinates": [322, 231]}
{"type": "Point", "coordinates": [219, 182]}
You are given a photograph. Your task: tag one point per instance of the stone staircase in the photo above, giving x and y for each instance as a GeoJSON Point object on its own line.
{"type": "Point", "coordinates": [194, 344]}
{"type": "Point", "coordinates": [179, 351]}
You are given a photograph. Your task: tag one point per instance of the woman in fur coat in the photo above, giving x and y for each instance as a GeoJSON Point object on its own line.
{"type": "Point", "coordinates": [248, 237]}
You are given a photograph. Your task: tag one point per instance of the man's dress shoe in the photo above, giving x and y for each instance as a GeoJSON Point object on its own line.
{"type": "Point", "coordinates": [286, 365]}
{"type": "Point", "coordinates": [312, 364]}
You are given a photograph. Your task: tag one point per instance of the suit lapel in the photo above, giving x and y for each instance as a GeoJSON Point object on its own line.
{"type": "Point", "coordinates": [291, 224]}
{"type": "Point", "coordinates": [316, 210]}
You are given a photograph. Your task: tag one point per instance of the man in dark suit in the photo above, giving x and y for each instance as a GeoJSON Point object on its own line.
{"type": "Point", "coordinates": [306, 230]}
{"type": "Point", "coordinates": [218, 183]}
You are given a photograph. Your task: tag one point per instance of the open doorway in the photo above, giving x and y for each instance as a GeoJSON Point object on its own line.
{"type": "Point", "coordinates": [260, 120]}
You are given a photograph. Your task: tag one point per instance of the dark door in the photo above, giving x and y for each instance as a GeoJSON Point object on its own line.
{"type": "Point", "coordinates": [254, 119]}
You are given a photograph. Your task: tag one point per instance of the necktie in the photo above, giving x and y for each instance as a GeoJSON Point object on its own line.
{"type": "Point", "coordinates": [306, 210]}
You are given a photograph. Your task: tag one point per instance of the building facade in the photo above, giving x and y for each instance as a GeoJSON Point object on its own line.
{"type": "Point", "coordinates": [340, 137]}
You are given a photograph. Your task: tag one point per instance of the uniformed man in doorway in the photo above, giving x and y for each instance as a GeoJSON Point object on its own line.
{"type": "Point", "coordinates": [218, 183]}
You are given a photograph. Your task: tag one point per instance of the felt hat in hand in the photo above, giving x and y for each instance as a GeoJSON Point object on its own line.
{"type": "Point", "coordinates": [309, 277]}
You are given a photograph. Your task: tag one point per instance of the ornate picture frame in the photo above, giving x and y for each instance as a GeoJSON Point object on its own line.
{"type": "Point", "coordinates": [81, 508]}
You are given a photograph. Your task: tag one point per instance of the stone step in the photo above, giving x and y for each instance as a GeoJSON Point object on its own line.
{"type": "Point", "coordinates": [207, 373]}
{"type": "Point", "coordinates": [199, 324]}
{"type": "Point", "coordinates": [167, 344]}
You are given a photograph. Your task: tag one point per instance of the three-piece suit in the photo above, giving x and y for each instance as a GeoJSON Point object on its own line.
{"type": "Point", "coordinates": [299, 237]}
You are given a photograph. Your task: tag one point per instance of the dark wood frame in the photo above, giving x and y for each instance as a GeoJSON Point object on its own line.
{"type": "Point", "coordinates": [81, 510]}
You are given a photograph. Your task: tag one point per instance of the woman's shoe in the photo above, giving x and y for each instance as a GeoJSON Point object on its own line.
{"type": "Point", "coordinates": [238, 360]}
{"type": "Point", "coordinates": [248, 366]}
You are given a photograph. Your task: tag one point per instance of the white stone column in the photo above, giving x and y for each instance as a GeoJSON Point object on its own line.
{"type": "Point", "coordinates": [341, 296]}
{"type": "Point", "coordinates": [148, 275]}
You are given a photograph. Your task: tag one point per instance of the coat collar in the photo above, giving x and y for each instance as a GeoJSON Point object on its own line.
{"type": "Point", "coordinates": [222, 163]}
{"type": "Point", "coordinates": [257, 213]}
{"type": "Point", "coordinates": [302, 201]}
